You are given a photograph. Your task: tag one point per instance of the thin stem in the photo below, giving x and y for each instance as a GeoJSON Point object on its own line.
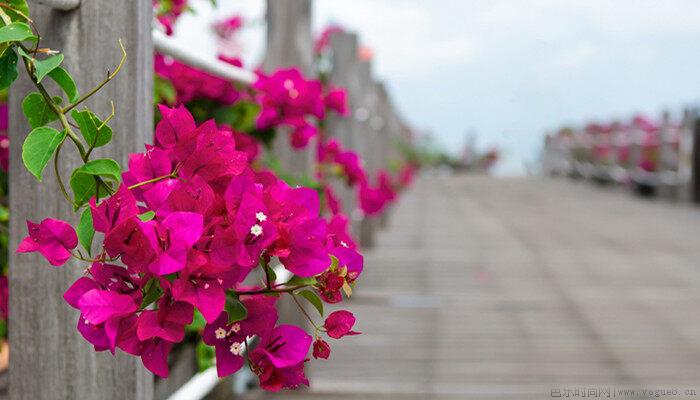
{"type": "Point", "coordinates": [305, 313]}
{"type": "Point", "coordinates": [110, 76]}
{"type": "Point", "coordinates": [58, 175]}
{"type": "Point", "coordinates": [20, 13]}
{"type": "Point", "coordinates": [97, 132]}
{"type": "Point", "coordinates": [272, 291]}
{"type": "Point", "coordinates": [154, 180]}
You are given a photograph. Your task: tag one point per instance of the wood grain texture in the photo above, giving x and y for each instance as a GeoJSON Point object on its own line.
{"type": "Point", "coordinates": [290, 44]}
{"type": "Point", "coordinates": [487, 288]}
{"type": "Point", "coordinates": [49, 359]}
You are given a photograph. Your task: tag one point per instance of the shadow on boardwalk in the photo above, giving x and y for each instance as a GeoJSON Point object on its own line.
{"type": "Point", "coordinates": [483, 288]}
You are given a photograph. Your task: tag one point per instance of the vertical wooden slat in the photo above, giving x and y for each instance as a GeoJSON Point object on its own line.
{"type": "Point", "coordinates": [344, 73]}
{"type": "Point", "coordinates": [290, 44]}
{"type": "Point", "coordinates": [49, 358]}
{"type": "Point", "coordinates": [364, 137]}
{"type": "Point", "coordinates": [695, 176]}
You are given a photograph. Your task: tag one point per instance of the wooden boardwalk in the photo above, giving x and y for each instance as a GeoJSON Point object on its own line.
{"type": "Point", "coordinates": [483, 288]}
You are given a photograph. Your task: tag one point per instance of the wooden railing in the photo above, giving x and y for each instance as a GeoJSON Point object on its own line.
{"type": "Point", "coordinates": [650, 158]}
{"type": "Point", "coordinates": [49, 358]}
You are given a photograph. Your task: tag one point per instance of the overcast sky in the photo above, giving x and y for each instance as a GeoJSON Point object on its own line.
{"type": "Point", "coordinates": [508, 70]}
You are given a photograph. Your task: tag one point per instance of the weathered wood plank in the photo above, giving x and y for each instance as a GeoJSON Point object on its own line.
{"type": "Point", "coordinates": [290, 44]}
{"type": "Point", "coordinates": [50, 360]}
{"type": "Point", "coordinates": [344, 73]}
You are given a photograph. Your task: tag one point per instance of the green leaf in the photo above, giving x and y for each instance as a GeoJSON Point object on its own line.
{"type": "Point", "coordinates": [164, 90]}
{"type": "Point", "coordinates": [8, 68]}
{"type": "Point", "coordinates": [43, 67]}
{"type": "Point", "coordinates": [19, 5]}
{"type": "Point", "coordinates": [37, 111]}
{"type": "Point", "coordinates": [236, 310]}
{"type": "Point", "coordinates": [205, 356]}
{"type": "Point", "coordinates": [313, 298]}
{"type": "Point", "coordinates": [16, 32]}
{"type": "Point", "coordinates": [38, 148]}
{"type": "Point", "coordinates": [89, 124]}
{"type": "Point", "coordinates": [65, 82]}
{"type": "Point", "coordinates": [147, 216]}
{"type": "Point", "coordinates": [151, 292]}
{"type": "Point", "coordinates": [83, 181]}
{"type": "Point", "coordinates": [299, 281]}
{"type": "Point", "coordinates": [271, 273]}
{"type": "Point", "coordinates": [86, 231]}
{"type": "Point", "coordinates": [198, 322]}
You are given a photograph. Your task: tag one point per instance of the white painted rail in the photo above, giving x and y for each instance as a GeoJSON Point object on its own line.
{"type": "Point", "coordinates": [168, 46]}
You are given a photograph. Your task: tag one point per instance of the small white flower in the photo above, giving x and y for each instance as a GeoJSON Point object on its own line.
{"type": "Point", "coordinates": [288, 84]}
{"type": "Point", "coordinates": [220, 333]}
{"type": "Point", "coordinates": [261, 216]}
{"type": "Point", "coordinates": [235, 327]}
{"type": "Point", "coordinates": [343, 244]}
{"type": "Point", "coordinates": [236, 348]}
{"type": "Point", "coordinates": [256, 230]}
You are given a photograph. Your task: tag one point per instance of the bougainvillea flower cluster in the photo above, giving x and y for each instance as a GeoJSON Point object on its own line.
{"type": "Point", "coordinates": [193, 84]}
{"type": "Point", "coordinates": [287, 98]}
{"type": "Point", "coordinates": [167, 12]}
{"type": "Point", "coordinates": [373, 199]}
{"type": "Point", "coordinates": [190, 222]}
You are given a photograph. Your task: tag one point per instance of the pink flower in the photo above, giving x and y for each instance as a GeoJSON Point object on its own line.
{"type": "Point", "coordinates": [134, 242]}
{"type": "Point", "coordinates": [279, 359]}
{"type": "Point", "coordinates": [252, 229]}
{"type": "Point", "coordinates": [192, 84]}
{"type": "Point", "coordinates": [332, 201]}
{"type": "Point", "coordinates": [229, 340]}
{"type": "Point", "coordinates": [338, 231]}
{"type": "Point", "coordinates": [4, 153]}
{"type": "Point", "coordinates": [339, 324]}
{"type": "Point", "coordinates": [324, 39]}
{"type": "Point", "coordinates": [114, 210]}
{"type": "Point", "coordinates": [287, 98]}
{"type": "Point", "coordinates": [204, 288]}
{"type": "Point", "coordinates": [4, 117]}
{"type": "Point", "coordinates": [352, 166]}
{"type": "Point", "coordinates": [152, 164]}
{"type": "Point", "coordinates": [154, 355]}
{"type": "Point", "coordinates": [167, 322]}
{"type": "Point", "coordinates": [4, 296]}
{"type": "Point", "coordinates": [306, 253]}
{"type": "Point", "coordinates": [386, 187]}
{"type": "Point", "coordinates": [302, 133]}
{"type": "Point", "coordinates": [321, 349]}
{"type": "Point", "coordinates": [97, 305]}
{"type": "Point", "coordinates": [53, 238]}
{"type": "Point", "coordinates": [329, 284]}
{"type": "Point", "coordinates": [175, 126]}
{"type": "Point", "coordinates": [336, 100]}
{"type": "Point", "coordinates": [175, 236]}
{"type": "Point", "coordinates": [372, 200]}
{"type": "Point", "coordinates": [228, 26]}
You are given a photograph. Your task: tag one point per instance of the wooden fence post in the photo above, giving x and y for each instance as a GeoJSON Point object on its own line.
{"type": "Point", "coordinates": [49, 358]}
{"type": "Point", "coordinates": [344, 74]}
{"type": "Point", "coordinates": [364, 137]}
{"type": "Point", "coordinates": [685, 155]}
{"type": "Point", "coordinates": [290, 44]}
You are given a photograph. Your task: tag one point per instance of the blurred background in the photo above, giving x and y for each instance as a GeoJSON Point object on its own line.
{"type": "Point", "coordinates": [498, 74]}
{"type": "Point", "coordinates": [519, 266]}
